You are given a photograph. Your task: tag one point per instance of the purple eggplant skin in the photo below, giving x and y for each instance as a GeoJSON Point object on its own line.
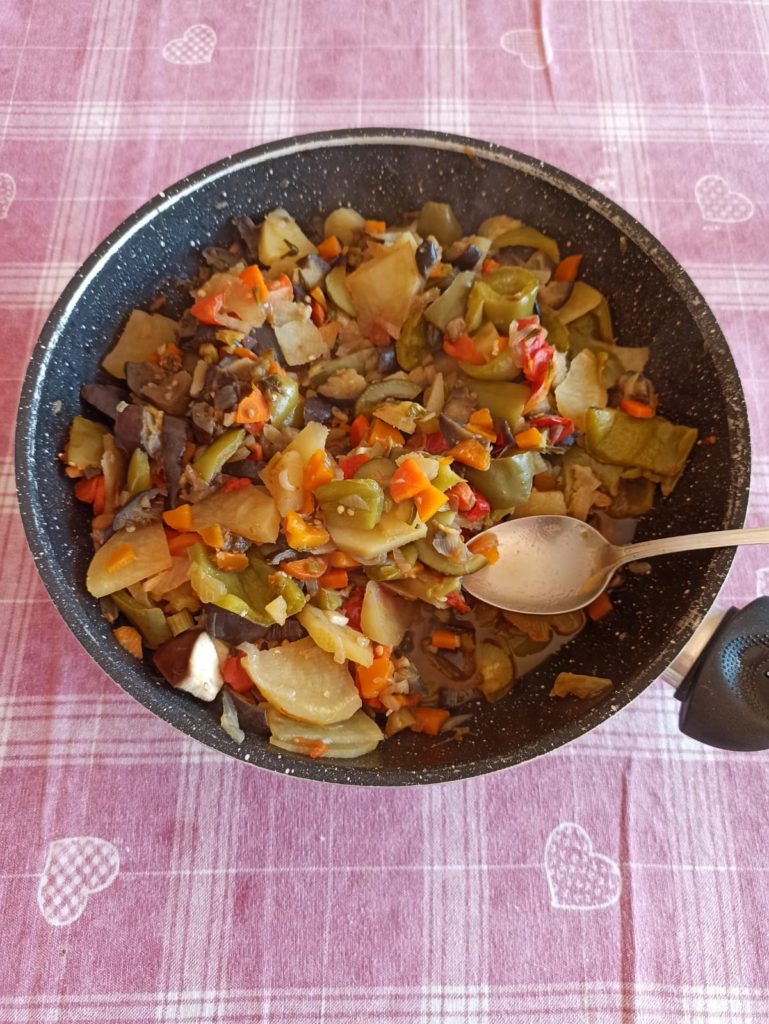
{"type": "Point", "coordinates": [104, 397]}
{"type": "Point", "coordinates": [141, 510]}
{"type": "Point", "coordinates": [426, 257]}
{"type": "Point", "coordinates": [128, 428]}
{"type": "Point", "coordinates": [174, 440]}
{"type": "Point", "coordinates": [318, 410]}
{"type": "Point", "coordinates": [220, 259]}
{"type": "Point", "coordinates": [387, 360]}
{"type": "Point", "coordinates": [245, 470]}
{"type": "Point", "coordinates": [467, 258]}
{"type": "Point", "coordinates": [251, 717]}
{"type": "Point", "coordinates": [172, 659]}
{"type": "Point", "coordinates": [234, 629]}
{"type": "Point", "coordinates": [249, 235]}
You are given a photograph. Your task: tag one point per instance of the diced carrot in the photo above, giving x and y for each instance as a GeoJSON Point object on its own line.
{"type": "Point", "coordinates": [236, 676]}
{"type": "Point", "coordinates": [213, 536]}
{"type": "Point", "coordinates": [231, 561]}
{"type": "Point", "coordinates": [301, 535]}
{"type": "Point", "coordinates": [318, 470]}
{"type": "Point", "coordinates": [257, 453]}
{"type": "Point", "coordinates": [481, 423]}
{"type": "Point", "coordinates": [130, 639]}
{"type": "Point", "coordinates": [445, 640]}
{"type": "Point", "coordinates": [253, 408]}
{"type": "Point", "coordinates": [179, 518]}
{"type": "Point", "coordinates": [179, 542]}
{"type": "Point", "coordinates": [245, 353]}
{"type": "Point", "coordinates": [639, 410]}
{"type": "Point", "coordinates": [280, 283]}
{"type": "Point", "coordinates": [341, 560]}
{"type": "Point", "coordinates": [253, 278]}
{"type": "Point", "coordinates": [407, 480]}
{"type": "Point", "coordinates": [235, 483]}
{"type": "Point", "coordinates": [374, 678]}
{"type": "Point", "coordinates": [171, 351]}
{"type": "Point", "coordinates": [317, 313]}
{"type": "Point", "coordinates": [599, 608]}
{"type": "Point", "coordinates": [383, 433]}
{"type": "Point", "coordinates": [85, 489]}
{"type": "Point", "coordinates": [208, 308]}
{"type": "Point", "coordinates": [568, 268]}
{"type": "Point", "coordinates": [122, 556]}
{"type": "Point", "coordinates": [488, 265]}
{"type": "Point", "coordinates": [308, 504]}
{"type": "Point", "coordinates": [100, 497]}
{"type": "Point", "coordinates": [305, 568]}
{"type": "Point", "coordinates": [312, 748]}
{"type": "Point", "coordinates": [530, 439]}
{"type": "Point", "coordinates": [329, 248]}
{"type": "Point", "coordinates": [463, 348]}
{"type": "Point", "coordinates": [486, 546]}
{"type": "Point", "coordinates": [429, 501]}
{"type": "Point", "coordinates": [429, 720]}
{"type": "Point", "coordinates": [358, 430]}
{"type": "Point", "coordinates": [334, 579]}
{"type": "Point", "coordinates": [407, 700]}
{"type": "Point", "coordinates": [375, 227]}
{"type": "Point", "coordinates": [471, 453]}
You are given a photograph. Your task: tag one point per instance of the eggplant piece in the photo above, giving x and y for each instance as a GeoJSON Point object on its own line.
{"type": "Point", "coordinates": [190, 662]}
{"type": "Point", "coordinates": [141, 510]}
{"type": "Point", "coordinates": [467, 259]}
{"type": "Point", "coordinates": [300, 295]}
{"type": "Point", "coordinates": [251, 716]}
{"type": "Point", "coordinates": [226, 398]}
{"type": "Point", "coordinates": [233, 629]}
{"type": "Point", "coordinates": [387, 361]}
{"type": "Point", "coordinates": [318, 410]}
{"type": "Point", "coordinates": [201, 334]}
{"type": "Point", "coordinates": [204, 422]}
{"type": "Point", "coordinates": [220, 259]}
{"type": "Point", "coordinates": [426, 256]}
{"type": "Point", "coordinates": [174, 441]}
{"type": "Point", "coordinates": [312, 270]}
{"type": "Point", "coordinates": [434, 338]}
{"type": "Point", "coordinates": [291, 630]}
{"type": "Point", "coordinates": [245, 470]}
{"type": "Point", "coordinates": [128, 428]}
{"type": "Point", "coordinates": [263, 339]}
{"type": "Point", "coordinates": [249, 235]}
{"type": "Point", "coordinates": [166, 390]}
{"type": "Point", "coordinates": [104, 397]}
{"type": "Point", "coordinates": [453, 431]}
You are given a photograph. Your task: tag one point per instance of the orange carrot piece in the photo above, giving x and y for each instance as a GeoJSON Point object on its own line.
{"type": "Point", "coordinates": [486, 546]}
{"type": "Point", "coordinates": [130, 639]}
{"type": "Point", "coordinates": [231, 561]}
{"type": "Point", "coordinates": [181, 541]}
{"type": "Point", "coordinates": [373, 679]}
{"type": "Point", "coordinates": [305, 568]}
{"type": "Point", "coordinates": [179, 518]}
{"type": "Point", "coordinates": [85, 489]}
{"type": "Point", "coordinates": [471, 453]}
{"type": "Point", "coordinates": [568, 268]}
{"type": "Point", "coordinates": [638, 410]}
{"type": "Point", "coordinates": [317, 313]}
{"type": "Point", "coordinates": [445, 640]}
{"type": "Point", "coordinates": [301, 535]}
{"type": "Point", "coordinates": [213, 536]}
{"type": "Point", "coordinates": [329, 248]}
{"type": "Point", "coordinates": [253, 278]}
{"type": "Point", "coordinates": [383, 433]}
{"type": "Point", "coordinates": [530, 440]}
{"type": "Point", "coordinates": [253, 408]}
{"type": "Point", "coordinates": [122, 556]}
{"type": "Point", "coordinates": [599, 608]}
{"type": "Point", "coordinates": [358, 430]}
{"type": "Point", "coordinates": [313, 748]}
{"type": "Point", "coordinates": [341, 560]}
{"type": "Point", "coordinates": [429, 501]}
{"type": "Point", "coordinates": [488, 265]}
{"type": "Point", "coordinates": [407, 480]}
{"type": "Point", "coordinates": [317, 471]}
{"type": "Point", "coordinates": [334, 579]}
{"type": "Point", "coordinates": [429, 720]}
{"type": "Point", "coordinates": [481, 423]}
{"type": "Point", "coordinates": [375, 227]}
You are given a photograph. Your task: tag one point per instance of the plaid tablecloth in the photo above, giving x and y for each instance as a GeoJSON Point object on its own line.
{"type": "Point", "coordinates": [143, 878]}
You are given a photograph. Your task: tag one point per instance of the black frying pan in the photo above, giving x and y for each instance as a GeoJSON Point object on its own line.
{"type": "Point", "coordinates": [381, 173]}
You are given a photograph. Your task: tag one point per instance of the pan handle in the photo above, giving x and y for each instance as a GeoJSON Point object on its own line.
{"type": "Point", "coordinates": [724, 686]}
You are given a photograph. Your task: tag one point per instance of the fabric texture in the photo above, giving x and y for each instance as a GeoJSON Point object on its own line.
{"type": "Point", "coordinates": [145, 878]}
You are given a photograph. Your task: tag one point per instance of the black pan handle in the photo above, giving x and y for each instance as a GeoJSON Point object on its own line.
{"type": "Point", "coordinates": [725, 692]}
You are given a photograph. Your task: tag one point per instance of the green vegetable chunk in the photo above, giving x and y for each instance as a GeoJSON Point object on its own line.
{"type": "Point", "coordinates": [452, 303]}
{"type": "Point", "coordinates": [507, 482]}
{"type": "Point", "coordinates": [501, 399]}
{"type": "Point", "coordinates": [151, 622]}
{"type": "Point", "coordinates": [463, 566]}
{"type": "Point", "coordinates": [505, 294]}
{"type": "Point", "coordinates": [440, 221]}
{"type": "Point", "coordinates": [411, 346]}
{"type": "Point", "coordinates": [528, 238]}
{"type": "Point", "coordinates": [655, 446]}
{"type": "Point", "coordinates": [361, 503]}
{"type": "Point", "coordinates": [218, 452]}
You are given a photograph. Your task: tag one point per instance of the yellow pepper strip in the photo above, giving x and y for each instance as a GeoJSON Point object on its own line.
{"type": "Point", "coordinates": [429, 501]}
{"type": "Point", "coordinates": [302, 535]}
{"type": "Point", "coordinates": [122, 556]}
{"type": "Point", "coordinates": [383, 433]}
{"type": "Point", "coordinates": [531, 439]}
{"type": "Point", "coordinates": [482, 424]}
{"type": "Point", "coordinates": [213, 536]}
{"type": "Point", "coordinates": [471, 453]}
{"type": "Point", "coordinates": [318, 470]}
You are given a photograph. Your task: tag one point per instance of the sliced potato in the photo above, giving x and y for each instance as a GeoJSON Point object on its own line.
{"type": "Point", "coordinates": [85, 445]}
{"type": "Point", "coordinates": [357, 736]}
{"type": "Point", "coordinates": [582, 388]}
{"type": "Point", "coordinates": [303, 681]}
{"type": "Point", "coordinates": [390, 532]}
{"type": "Point", "coordinates": [281, 241]}
{"type": "Point", "coordinates": [382, 289]}
{"type": "Point", "coordinates": [340, 641]}
{"type": "Point", "coordinates": [345, 223]}
{"type": "Point", "coordinates": [282, 475]}
{"type": "Point", "coordinates": [250, 512]}
{"type": "Point", "coordinates": [542, 503]}
{"type": "Point", "coordinates": [384, 617]}
{"type": "Point", "coordinates": [536, 627]}
{"type": "Point", "coordinates": [150, 547]}
{"type": "Point", "coordinates": [300, 341]}
{"type": "Point", "coordinates": [142, 336]}
{"type": "Point", "coordinates": [336, 286]}
{"type": "Point", "coordinates": [573, 684]}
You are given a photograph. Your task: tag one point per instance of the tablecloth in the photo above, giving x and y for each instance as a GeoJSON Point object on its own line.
{"type": "Point", "coordinates": [143, 877]}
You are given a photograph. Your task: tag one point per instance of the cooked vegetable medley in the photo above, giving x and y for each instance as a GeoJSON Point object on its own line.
{"type": "Point", "coordinates": [287, 482]}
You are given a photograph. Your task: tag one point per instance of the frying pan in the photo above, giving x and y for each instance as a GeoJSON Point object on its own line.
{"type": "Point", "coordinates": [382, 173]}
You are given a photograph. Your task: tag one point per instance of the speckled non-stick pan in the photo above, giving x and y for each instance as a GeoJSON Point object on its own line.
{"type": "Point", "coordinates": [381, 173]}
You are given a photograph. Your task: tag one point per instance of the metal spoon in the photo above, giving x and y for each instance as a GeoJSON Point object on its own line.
{"type": "Point", "coordinates": [553, 564]}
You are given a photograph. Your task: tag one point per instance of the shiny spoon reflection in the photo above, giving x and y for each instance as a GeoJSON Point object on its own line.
{"type": "Point", "coordinates": [553, 564]}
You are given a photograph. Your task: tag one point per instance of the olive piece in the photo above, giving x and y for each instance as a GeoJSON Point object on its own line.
{"type": "Point", "coordinates": [467, 259]}
{"type": "Point", "coordinates": [426, 256]}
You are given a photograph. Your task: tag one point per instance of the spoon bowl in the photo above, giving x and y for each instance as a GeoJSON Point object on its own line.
{"type": "Point", "coordinates": [553, 564]}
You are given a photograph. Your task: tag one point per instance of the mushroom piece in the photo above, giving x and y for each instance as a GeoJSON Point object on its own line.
{"type": "Point", "coordinates": [190, 662]}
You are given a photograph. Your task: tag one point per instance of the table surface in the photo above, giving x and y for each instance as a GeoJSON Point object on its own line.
{"type": "Point", "coordinates": [145, 878]}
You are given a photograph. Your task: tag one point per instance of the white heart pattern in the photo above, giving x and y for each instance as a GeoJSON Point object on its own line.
{"type": "Point", "coordinates": [579, 879]}
{"type": "Point", "coordinates": [196, 46]}
{"type": "Point", "coordinates": [719, 204]}
{"type": "Point", "coordinates": [532, 46]}
{"type": "Point", "coordinates": [74, 868]}
{"type": "Point", "coordinates": [7, 194]}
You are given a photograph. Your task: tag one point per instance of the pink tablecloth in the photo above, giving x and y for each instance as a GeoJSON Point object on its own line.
{"type": "Point", "coordinates": [144, 878]}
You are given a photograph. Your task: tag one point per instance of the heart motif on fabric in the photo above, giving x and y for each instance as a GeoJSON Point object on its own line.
{"type": "Point", "coordinates": [579, 878]}
{"type": "Point", "coordinates": [7, 194]}
{"type": "Point", "coordinates": [74, 869]}
{"type": "Point", "coordinates": [530, 45]}
{"type": "Point", "coordinates": [719, 204]}
{"type": "Point", "coordinates": [196, 46]}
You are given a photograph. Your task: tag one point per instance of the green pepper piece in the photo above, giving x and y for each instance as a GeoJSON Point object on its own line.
{"type": "Point", "coordinates": [218, 452]}
{"type": "Point", "coordinates": [609, 476]}
{"type": "Point", "coordinates": [361, 502]}
{"type": "Point", "coordinates": [411, 346]}
{"type": "Point", "coordinates": [389, 570]}
{"type": "Point", "coordinates": [452, 303]}
{"type": "Point", "coordinates": [445, 565]}
{"type": "Point", "coordinates": [507, 482]}
{"type": "Point", "coordinates": [282, 393]}
{"type": "Point", "coordinates": [557, 332]}
{"type": "Point", "coordinates": [505, 294]}
{"type": "Point", "coordinates": [506, 401]}
{"type": "Point", "coordinates": [138, 478]}
{"type": "Point", "coordinates": [440, 221]}
{"type": "Point", "coordinates": [655, 446]}
{"type": "Point", "coordinates": [634, 498]}
{"type": "Point", "coordinates": [85, 445]}
{"type": "Point", "coordinates": [528, 238]}
{"type": "Point", "coordinates": [328, 600]}
{"type": "Point", "coordinates": [430, 587]}
{"type": "Point", "coordinates": [502, 367]}
{"type": "Point", "coordinates": [289, 590]}
{"type": "Point", "coordinates": [619, 358]}
{"type": "Point", "coordinates": [399, 389]}
{"type": "Point", "coordinates": [151, 622]}
{"type": "Point", "coordinates": [445, 478]}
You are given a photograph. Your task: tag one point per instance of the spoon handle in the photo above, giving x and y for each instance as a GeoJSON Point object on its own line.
{"type": "Point", "coordinates": [693, 542]}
